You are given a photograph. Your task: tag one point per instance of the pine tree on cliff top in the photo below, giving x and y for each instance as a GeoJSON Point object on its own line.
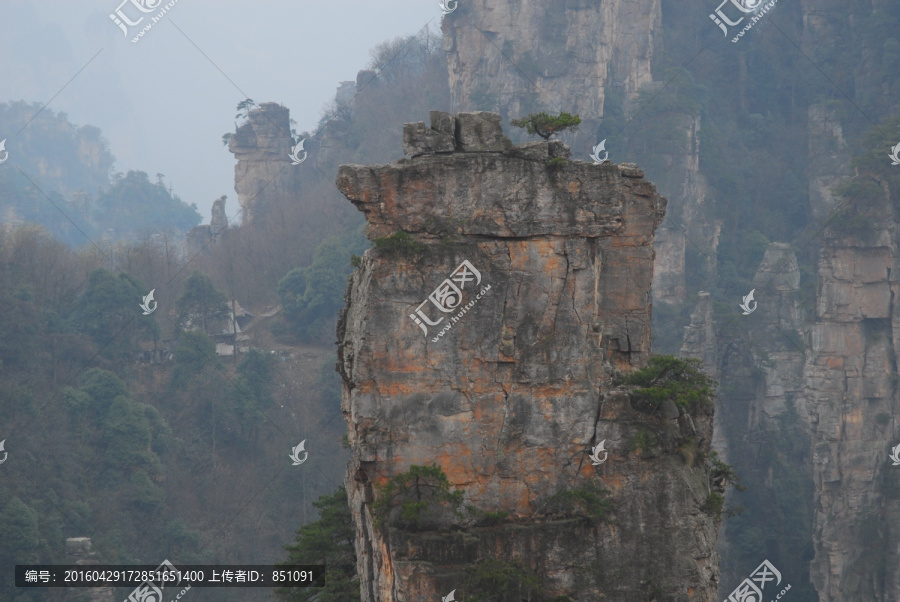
{"type": "Point", "coordinates": [545, 125]}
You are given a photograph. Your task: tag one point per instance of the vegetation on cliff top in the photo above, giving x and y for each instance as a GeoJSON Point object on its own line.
{"type": "Point", "coordinates": [545, 125]}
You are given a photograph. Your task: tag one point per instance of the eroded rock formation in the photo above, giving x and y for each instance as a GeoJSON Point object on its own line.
{"type": "Point", "coordinates": [532, 56]}
{"type": "Point", "coordinates": [828, 372]}
{"type": "Point", "coordinates": [262, 148]}
{"type": "Point", "coordinates": [484, 334]}
{"type": "Point", "coordinates": [851, 379]}
{"type": "Point", "coordinates": [200, 237]}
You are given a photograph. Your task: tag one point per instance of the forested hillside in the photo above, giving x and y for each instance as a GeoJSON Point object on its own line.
{"type": "Point", "coordinates": [161, 446]}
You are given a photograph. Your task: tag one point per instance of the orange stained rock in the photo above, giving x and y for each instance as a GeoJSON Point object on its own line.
{"type": "Point", "coordinates": [481, 380]}
{"type": "Point", "coordinates": [835, 363]}
{"type": "Point", "coordinates": [486, 406]}
{"type": "Point", "coordinates": [551, 392]}
{"type": "Point", "coordinates": [573, 187]}
{"type": "Point", "coordinates": [396, 388]}
{"type": "Point", "coordinates": [855, 417]}
{"type": "Point", "coordinates": [388, 196]}
{"type": "Point", "coordinates": [615, 483]}
{"type": "Point", "coordinates": [521, 254]}
{"type": "Point", "coordinates": [410, 363]}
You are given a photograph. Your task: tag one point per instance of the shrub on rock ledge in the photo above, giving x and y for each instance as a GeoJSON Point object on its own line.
{"type": "Point", "coordinates": [418, 494]}
{"type": "Point", "coordinates": [666, 377]}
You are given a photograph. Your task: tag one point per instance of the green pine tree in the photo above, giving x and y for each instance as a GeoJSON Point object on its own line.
{"type": "Point", "coordinates": [202, 304]}
{"type": "Point", "coordinates": [545, 125]}
{"type": "Point", "coordinates": [327, 541]}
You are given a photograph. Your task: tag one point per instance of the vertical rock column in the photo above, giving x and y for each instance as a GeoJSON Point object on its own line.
{"type": "Point", "coordinates": [482, 334]}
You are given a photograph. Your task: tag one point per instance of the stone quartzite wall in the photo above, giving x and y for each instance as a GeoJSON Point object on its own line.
{"type": "Point", "coordinates": [487, 344]}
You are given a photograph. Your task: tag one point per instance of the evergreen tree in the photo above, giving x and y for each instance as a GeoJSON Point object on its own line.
{"type": "Point", "coordinates": [202, 304]}
{"type": "Point", "coordinates": [312, 296]}
{"type": "Point", "coordinates": [545, 125]}
{"type": "Point", "coordinates": [109, 312]}
{"type": "Point", "coordinates": [195, 353]}
{"type": "Point", "coordinates": [328, 541]}
{"type": "Point", "coordinates": [19, 533]}
{"type": "Point", "coordinates": [252, 390]}
{"type": "Point", "coordinates": [134, 204]}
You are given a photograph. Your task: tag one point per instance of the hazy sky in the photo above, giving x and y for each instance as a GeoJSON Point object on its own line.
{"type": "Point", "coordinates": [164, 102]}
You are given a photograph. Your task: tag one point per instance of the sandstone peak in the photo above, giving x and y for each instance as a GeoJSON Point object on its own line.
{"type": "Point", "coordinates": [508, 287]}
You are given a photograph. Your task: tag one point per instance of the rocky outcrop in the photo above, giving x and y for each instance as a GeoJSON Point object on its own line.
{"type": "Point", "coordinates": [78, 552]}
{"type": "Point", "coordinates": [286, 192]}
{"type": "Point", "coordinates": [700, 342]}
{"type": "Point", "coordinates": [508, 288]}
{"type": "Point", "coordinates": [851, 377]}
{"type": "Point", "coordinates": [200, 237]}
{"type": "Point", "coordinates": [262, 148]}
{"type": "Point", "coordinates": [819, 373]}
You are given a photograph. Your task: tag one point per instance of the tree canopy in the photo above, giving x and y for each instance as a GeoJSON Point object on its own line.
{"type": "Point", "coordinates": [311, 296]}
{"type": "Point", "coordinates": [134, 204]}
{"type": "Point", "coordinates": [109, 312]}
{"type": "Point", "coordinates": [202, 305]}
{"type": "Point", "coordinates": [328, 541]}
{"type": "Point", "coordinates": [545, 125]}
{"type": "Point", "coordinates": [668, 377]}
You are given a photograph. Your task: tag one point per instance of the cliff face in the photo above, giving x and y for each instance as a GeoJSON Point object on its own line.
{"type": "Point", "coordinates": [851, 379]}
{"type": "Point", "coordinates": [568, 52]}
{"type": "Point", "coordinates": [487, 344]}
{"type": "Point", "coordinates": [808, 380]}
{"type": "Point", "coordinates": [571, 56]}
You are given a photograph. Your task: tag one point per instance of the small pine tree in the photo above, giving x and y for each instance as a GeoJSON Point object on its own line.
{"type": "Point", "coordinates": [328, 541]}
{"type": "Point", "coordinates": [418, 493]}
{"type": "Point", "coordinates": [202, 304]}
{"type": "Point", "coordinates": [668, 377]}
{"type": "Point", "coordinates": [545, 125]}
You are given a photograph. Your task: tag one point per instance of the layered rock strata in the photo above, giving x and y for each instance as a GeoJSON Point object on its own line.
{"type": "Point", "coordinates": [508, 288]}
{"type": "Point", "coordinates": [851, 381]}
